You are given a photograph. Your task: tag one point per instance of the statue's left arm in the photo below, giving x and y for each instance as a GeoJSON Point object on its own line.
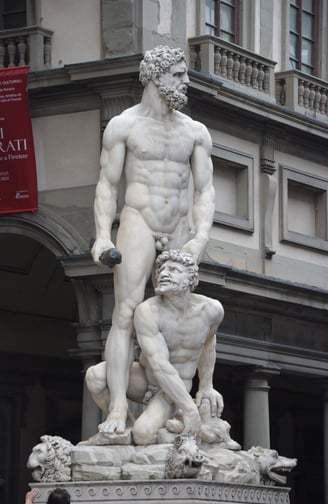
{"type": "Point", "coordinates": [204, 195]}
{"type": "Point", "coordinates": [206, 363]}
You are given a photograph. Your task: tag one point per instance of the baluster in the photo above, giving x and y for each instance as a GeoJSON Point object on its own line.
{"type": "Point", "coordinates": [223, 64]}
{"type": "Point", "coordinates": [21, 46]}
{"type": "Point", "coordinates": [193, 55]}
{"type": "Point", "coordinates": [236, 66]}
{"type": "Point", "coordinates": [242, 70]}
{"type": "Point", "coordinates": [217, 60]}
{"type": "Point", "coordinates": [2, 54]}
{"type": "Point", "coordinates": [282, 92]}
{"type": "Point", "coordinates": [266, 80]}
{"type": "Point", "coordinates": [317, 99]}
{"type": "Point", "coordinates": [323, 101]}
{"type": "Point", "coordinates": [254, 76]}
{"type": "Point", "coordinates": [230, 65]}
{"type": "Point", "coordinates": [311, 97]}
{"type": "Point", "coordinates": [11, 48]}
{"type": "Point", "coordinates": [47, 53]}
{"type": "Point", "coordinates": [301, 92]}
{"type": "Point", "coordinates": [306, 95]}
{"type": "Point", "coordinates": [248, 72]}
{"type": "Point", "coordinates": [260, 77]}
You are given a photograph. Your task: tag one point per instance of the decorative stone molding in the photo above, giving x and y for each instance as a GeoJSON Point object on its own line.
{"type": "Point", "coordinates": [214, 56]}
{"type": "Point", "coordinates": [166, 490]}
{"type": "Point", "coordinates": [302, 93]}
{"type": "Point", "coordinates": [26, 46]}
{"type": "Point", "coordinates": [269, 191]}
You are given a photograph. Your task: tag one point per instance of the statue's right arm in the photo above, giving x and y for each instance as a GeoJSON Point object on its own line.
{"type": "Point", "coordinates": [154, 347]}
{"type": "Point", "coordinates": [111, 168]}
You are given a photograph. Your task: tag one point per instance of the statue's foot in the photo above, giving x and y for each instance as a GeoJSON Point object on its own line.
{"type": "Point", "coordinates": [114, 423]}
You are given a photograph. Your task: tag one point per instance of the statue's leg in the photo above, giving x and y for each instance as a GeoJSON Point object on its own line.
{"type": "Point", "coordinates": [154, 417]}
{"type": "Point", "coordinates": [136, 244]}
{"type": "Point", "coordinates": [96, 380]}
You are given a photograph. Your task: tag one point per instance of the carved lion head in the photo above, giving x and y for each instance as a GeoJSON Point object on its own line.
{"type": "Point", "coordinates": [50, 460]}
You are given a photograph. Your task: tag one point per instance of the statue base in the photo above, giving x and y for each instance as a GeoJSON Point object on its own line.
{"type": "Point", "coordinates": [160, 491]}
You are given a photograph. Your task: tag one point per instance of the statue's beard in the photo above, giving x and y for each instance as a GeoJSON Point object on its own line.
{"type": "Point", "coordinates": [174, 98]}
{"type": "Point", "coordinates": [171, 288]}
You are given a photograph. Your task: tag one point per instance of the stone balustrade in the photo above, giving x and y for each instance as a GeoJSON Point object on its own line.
{"type": "Point", "coordinates": [213, 56]}
{"type": "Point", "coordinates": [302, 93]}
{"type": "Point", "coordinates": [26, 46]}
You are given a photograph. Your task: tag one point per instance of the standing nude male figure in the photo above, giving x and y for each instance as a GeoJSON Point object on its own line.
{"type": "Point", "coordinates": [159, 149]}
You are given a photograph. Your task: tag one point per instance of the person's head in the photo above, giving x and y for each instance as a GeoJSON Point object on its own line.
{"type": "Point", "coordinates": [167, 69]}
{"type": "Point", "coordinates": [59, 496]}
{"type": "Point", "coordinates": [176, 272]}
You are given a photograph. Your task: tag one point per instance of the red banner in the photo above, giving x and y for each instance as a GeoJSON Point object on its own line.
{"type": "Point", "coordinates": [18, 185]}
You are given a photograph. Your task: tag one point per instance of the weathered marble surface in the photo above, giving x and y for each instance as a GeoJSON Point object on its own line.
{"type": "Point", "coordinates": [183, 458]}
{"type": "Point", "coordinates": [158, 150]}
{"type": "Point", "coordinates": [176, 332]}
{"type": "Point", "coordinates": [173, 491]}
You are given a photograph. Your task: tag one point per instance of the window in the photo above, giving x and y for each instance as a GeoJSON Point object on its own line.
{"type": "Point", "coordinates": [233, 182]}
{"type": "Point", "coordinates": [221, 19]}
{"type": "Point", "coordinates": [12, 14]}
{"type": "Point", "coordinates": [306, 195]}
{"type": "Point", "coordinates": [302, 35]}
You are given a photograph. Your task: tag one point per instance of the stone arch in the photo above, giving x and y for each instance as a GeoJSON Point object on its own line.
{"type": "Point", "coordinates": [47, 228]}
{"type": "Point", "coordinates": [41, 384]}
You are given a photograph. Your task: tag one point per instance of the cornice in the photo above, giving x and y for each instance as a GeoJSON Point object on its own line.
{"type": "Point", "coordinates": [90, 78]}
{"type": "Point", "coordinates": [224, 276]}
{"type": "Point", "coordinates": [266, 287]}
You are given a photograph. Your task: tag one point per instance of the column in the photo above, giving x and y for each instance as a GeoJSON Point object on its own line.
{"type": "Point", "coordinates": [89, 351]}
{"type": "Point", "coordinates": [256, 408]}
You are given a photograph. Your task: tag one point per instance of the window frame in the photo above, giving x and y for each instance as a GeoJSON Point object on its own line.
{"type": "Point", "coordinates": [245, 163]}
{"type": "Point", "coordinates": [299, 34]}
{"type": "Point", "coordinates": [314, 184]}
{"type": "Point", "coordinates": [3, 13]}
{"type": "Point", "coordinates": [216, 26]}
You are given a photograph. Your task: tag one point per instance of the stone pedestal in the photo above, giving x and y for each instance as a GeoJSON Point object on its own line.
{"type": "Point", "coordinates": [171, 491]}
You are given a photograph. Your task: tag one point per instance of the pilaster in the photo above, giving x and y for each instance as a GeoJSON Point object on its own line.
{"type": "Point", "coordinates": [269, 190]}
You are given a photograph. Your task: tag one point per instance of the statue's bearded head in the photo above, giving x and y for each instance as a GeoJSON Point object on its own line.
{"type": "Point", "coordinates": [175, 272]}
{"type": "Point", "coordinates": [167, 69]}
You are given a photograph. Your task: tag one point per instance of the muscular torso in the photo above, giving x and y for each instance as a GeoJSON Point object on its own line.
{"type": "Point", "coordinates": [185, 338]}
{"type": "Point", "coordinates": [157, 170]}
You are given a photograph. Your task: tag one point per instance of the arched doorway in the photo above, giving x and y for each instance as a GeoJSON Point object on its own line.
{"type": "Point", "coordinates": [40, 382]}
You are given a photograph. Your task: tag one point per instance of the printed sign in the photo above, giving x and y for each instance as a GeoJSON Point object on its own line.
{"type": "Point", "coordinates": [18, 184]}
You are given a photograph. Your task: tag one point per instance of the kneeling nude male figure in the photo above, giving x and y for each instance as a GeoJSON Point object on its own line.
{"type": "Point", "coordinates": [158, 148]}
{"type": "Point", "coordinates": [176, 331]}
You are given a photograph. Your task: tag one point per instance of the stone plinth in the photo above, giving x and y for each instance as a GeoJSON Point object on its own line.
{"type": "Point", "coordinates": [171, 491]}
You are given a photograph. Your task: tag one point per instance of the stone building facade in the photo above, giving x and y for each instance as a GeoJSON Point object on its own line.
{"type": "Point", "coordinates": [259, 81]}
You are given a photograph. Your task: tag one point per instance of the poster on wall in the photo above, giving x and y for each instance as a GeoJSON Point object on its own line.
{"type": "Point", "coordinates": [18, 183]}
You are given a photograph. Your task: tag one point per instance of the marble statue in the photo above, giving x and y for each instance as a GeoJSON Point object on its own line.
{"type": "Point", "coordinates": [50, 460]}
{"type": "Point", "coordinates": [162, 154]}
{"type": "Point", "coordinates": [183, 458]}
{"type": "Point", "coordinates": [159, 150]}
{"type": "Point", "coordinates": [256, 466]}
{"type": "Point", "coordinates": [176, 331]}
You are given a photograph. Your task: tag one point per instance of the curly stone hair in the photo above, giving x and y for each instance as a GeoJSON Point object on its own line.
{"type": "Point", "coordinates": [158, 61]}
{"type": "Point", "coordinates": [58, 463]}
{"type": "Point", "coordinates": [183, 258]}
